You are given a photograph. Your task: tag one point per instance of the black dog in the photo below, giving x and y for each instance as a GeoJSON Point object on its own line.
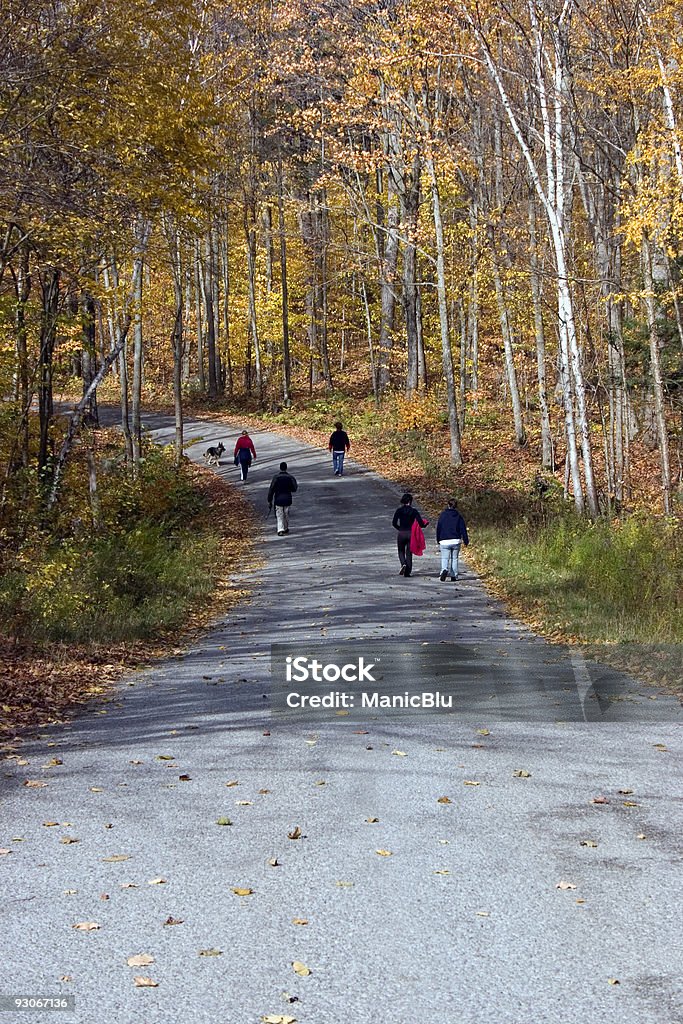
{"type": "Point", "coordinates": [212, 455]}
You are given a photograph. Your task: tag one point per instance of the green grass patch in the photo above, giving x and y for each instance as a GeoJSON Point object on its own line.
{"type": "Point", "coordinates": [602, 582]}
{"type": "Point", "coordinates": [136, 573]}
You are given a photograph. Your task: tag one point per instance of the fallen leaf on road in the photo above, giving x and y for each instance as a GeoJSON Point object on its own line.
{"type": "Point", "coordinates": [345, 885]}
{"type": "Point", "coordinates": [116, 858]}
{"type": "Point", "coordinates": [68, 840]}
{"type": "Point", "coordinates": [565, 885]}
{"type": "Point", "coordinates": [624, 792]}
{"type": "Point", "coordinates": [86, 926]}
{"type": "Point", "coordinates": [295, 833]}
{"type": "Point", "coordinates": [301, 969]}
{"type": "Point", "coordinates": [588, 842]}
{"type": "Point", "coordinates": [4, 851]}
{"type": "Point", "coordinates": [470, 782]}
{"type": "Point", "coordinates": [613, 981]}
{"type": "Point", "coordinates": [384, 853]}
{"type": "Point", "coordinates": [372, 821]}
{"type": "Point", "coordinates": [140, 960]}
{"type": "Point", "coordinates": [53, 762]}
{"type": "Point", "coordinates": [483, 732]}
{"type": "Point", "coordinates": [443, 871]}
{"type": "Point", "coordinates": [104, 895]}
{"type": "Point", "coordinates": [273, 862]}
{"type": "Point", "coordinates": [141, 982]}
{"type": "Point", "coordinates": [444, 800]}
{"type": "Point", "coordinates": [34, 783]}
{"type": "Point", "coordinates": [96, 789]}
{"type": "Point", "coordinates": [233, 782]}
{"type": "Point", "coordinates": [662, 747]}
{"type": "Point", "coordinates": [173, 920]}
{"type": "Point", "coordinates": [641, 835]}
{"type": "Point", "coordinates": [263, 792]}
{"type": "Point", "coordinates": [157, 881]}
{"type": "Point", "coordinates": [300, 920]}
{"type": "Point", "coordinates": [49, 824]}
{"type": "Point", "coordinates": [211, 952]}
{"type": "Point", "coordinates": [321, 782]}
{"type": "Point", "coordinates": [599, 800]}
{"type": "Point", "coordinates": [185, 778]}
{"type": "Point", "coordinates": [482, 913]}
{"type": "Point", "coordinates": [629, 803]}
{"type": "Point", "coordinates": [223, 821]}
{"type": "Point", "coordinates": [243, 892]}
{"type": "Point", "coordinates": [165, 757]}
{"type": "Point", "coordinates": [521, 773]}
{"type": "Point", "coordinates": [129, 885]}
{"type": "Point", "coordinates": [399, 753]}
{"type": "Point", "coordinates": [244, 803]}
{"type": "Point", "coordinates": [70, 892]}
{"type": "Point", "coordinates": [278, 1018]}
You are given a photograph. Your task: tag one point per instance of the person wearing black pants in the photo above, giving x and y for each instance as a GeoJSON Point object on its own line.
{"type": "Point", "coordinates": [404, 517]}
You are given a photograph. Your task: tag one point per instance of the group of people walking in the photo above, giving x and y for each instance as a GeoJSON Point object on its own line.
{"type": "Point", "coordinates": [451, 531]}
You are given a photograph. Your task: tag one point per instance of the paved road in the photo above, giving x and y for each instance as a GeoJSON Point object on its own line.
{"type": "Point", "coordinates": [463, 923]}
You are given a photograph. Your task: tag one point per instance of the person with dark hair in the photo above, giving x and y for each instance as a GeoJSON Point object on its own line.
{"type": "Point", "coordinates": [244, 453]}
{"type": "Point", "coordinates": [451, 533]}
{"type": "Point", "coordinates": [404, 517]}
{"type": "Point", "coordinates": [339, 445]}
{"type": "Point", "coordinates": [282, 487]}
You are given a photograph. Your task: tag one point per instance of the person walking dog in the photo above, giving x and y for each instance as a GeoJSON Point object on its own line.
{"type": "Point", "coordinates": [244, 453]}
{"type": "Point", "coordinates": [339, 445]}
{"type": "Point", "coordinates": [404, 518]}
{"type": "Point", "coordinates": [451, 533]}
{"type": "Point", "coordinates": [282, 487]}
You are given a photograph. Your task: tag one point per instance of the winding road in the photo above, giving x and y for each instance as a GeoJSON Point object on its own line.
{"type": "Point", "coordinates": [513, 860]}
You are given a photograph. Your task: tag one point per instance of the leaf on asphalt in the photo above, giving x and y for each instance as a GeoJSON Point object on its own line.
{"type": "Point", "coordinates": [243, 892]}
{"type": "Point", "coordinates": [244, 803]}
{"type": "Point", "coordinates": [53, 762]}
{"type": "Point", "coordinates": [35, 783]}
{"type": "Point", "coordinates": [521, 773]}
{"type": "Point", "coordinates": [624, 792]}
{"type": "Point", "coordinates": [96, 789]}
{"type": "Point", "coordinates": [300, 920]}
{"type": "Point", "coordinates": [588, 842]}
{"type": "Point", "coordinates": [157, 881]}
{"type": "Point", "coordinates": [565, 885]}
{"type": "Point", "coordinates": [4, 851]}
{"type": "Point", "coordinates": [444, 800]}
{"type": "Point", "coordinates": [482, 913]}
{"type": "Point", "coordinates": [384, 853]}
{"type": "Point", "coordinates": [629, 803]}
{"type": "Point", "coordinates": [295, 833]}
{"type": "Point", "coordinates": [263, 792]}
{"type": "Point", "coordinates": [70, 892]}
{"type": "Point", "coordinates": [142, 982]}
{"type": "Point", "coordinates": [483, 732]}
{"type": "Point", "coordinates": [173, 920]}
{"type": "Point", "coordinates": [613, 981]}
{"type": "Point", "coordinates": [470, 782]}
{"type": "Point", "coordinates": [320, 782]}
{"type": "Point", "coordinates": [345, 885]}
{"type": "Point", "coordinates": [641, 835]}
{"type": "Point", "coordinates": [211, 952]}
{"type": "Point", "coordinates": [136, 762]}
{"type": "Point", "coordinates": [223, 821]}
{"type": "Point", "coordinates": [165, 757]}
{"type": "Point", "coordinates": [140, 960]}
{"type": "Point", "coordinates": [301, 969]}
{"type": "Point", "coordinates": [185, 778]}
{"type": "Point", "coordinates": [233, 782]}
{"type": "Point", "coordinates": [442, 871]}
{"type": "Point", "coordinates": [273, 862]}
{"type": "Point", "coordinates": [662, 747]}
{"type": "Point", "coordinates": [104, 895]}
{"type": "Point", "coordinates": [278, 1018]}
{"type": "Point", "coordinates": [68, 840]}
{"type": "Point", "coordinates": [86, 926]}
{"type": "Point", "coordinates": [372, 821]}
{"type": "Point", "coordinates": [599, 800]}
{"type": "Point", "coordinates": [129, 885]}
{"type": "Point", "coordinates": [399, 753]}
{"type": "Point", "coordinates": [49, 824]}
{"type": "Point", "coordinates": [116, 858]}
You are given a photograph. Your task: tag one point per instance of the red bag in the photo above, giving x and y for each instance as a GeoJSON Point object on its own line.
{"type": "Point", "coordinates": [417, 538]}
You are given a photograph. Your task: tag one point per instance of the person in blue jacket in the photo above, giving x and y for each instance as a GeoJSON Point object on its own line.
{"type": "Point", "coordinates": [451, 533]}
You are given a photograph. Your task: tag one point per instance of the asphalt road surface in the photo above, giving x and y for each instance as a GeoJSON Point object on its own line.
{"type": "Point", "coordinates": [514, 859]}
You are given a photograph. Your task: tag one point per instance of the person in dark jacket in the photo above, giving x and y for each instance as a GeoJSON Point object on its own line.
{"type": "Point", "coordinates": [282, 487]}
{"type": "Point", "coordinates": [339, 445]}
{"type": "Point", "coordinates": [244, 453]}
{"type": "Point", "coordinates": [404, 517]}
{"type": "Point", "coordinates": [451, 533]}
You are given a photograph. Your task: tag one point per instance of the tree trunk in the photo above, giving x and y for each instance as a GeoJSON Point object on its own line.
{"type": "Point", "coordinates": [547, 458]}
{"type": "Point", "coordinates": [284, 288]}
{"type": "Point", "coordinates": [50, 289]}
{"type": "Point", "coordinates": [207, 281]}
{"type": "Point", "coordinates": [137, 378]}
{"type": "Point", "coordinates": [654, 324]}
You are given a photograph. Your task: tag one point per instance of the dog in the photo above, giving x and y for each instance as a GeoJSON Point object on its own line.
{"type": "Point", "coordinates": [212, 456]}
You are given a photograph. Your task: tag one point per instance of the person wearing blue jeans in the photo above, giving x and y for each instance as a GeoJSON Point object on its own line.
{"type": "Point", "coordinates": [451, 534]}
{"type": "Point", "coordinates": [339, 445]}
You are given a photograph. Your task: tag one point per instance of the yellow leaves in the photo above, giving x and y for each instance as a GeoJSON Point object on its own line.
{"type": "Point", "coordinates": [34, 783]}
{"type": "Point", "coordinates": [223, 821]}
{"type": "Point", "coordinates": [116, 858]}
{"type": "Point", "coordinates": [300, 921]}
{"type": "Point", "coordinates": [157, 881]}
{"type": "Point", "coordinates": [444, 800]}
{"type": "Point", "coordinates": [141, 981]}
{"type": "Point", "coordinates": [470, 782]}
{"type": "Point", "coordinates": [86, 926]}
{"type": "Point", "coordinates": [243, 892]}
{"type": "Point", "coordinates": [278, 1018]}
{"type": "Point", "coordinates": [521, 773]}
{"type": "Point", "coordinates": [140, 960]}
{"type": "Point", "coordinates": [301, 969]}
{"type": "Point", "coordinates": [296, 833]}
{"type": "Point", "coordinates": [384, 853]}
{"type": "Point", "coordinates": [210, 952]}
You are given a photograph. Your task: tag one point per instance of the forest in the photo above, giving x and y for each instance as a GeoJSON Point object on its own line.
{"type": "Point", "coordinates": [461, 220]}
